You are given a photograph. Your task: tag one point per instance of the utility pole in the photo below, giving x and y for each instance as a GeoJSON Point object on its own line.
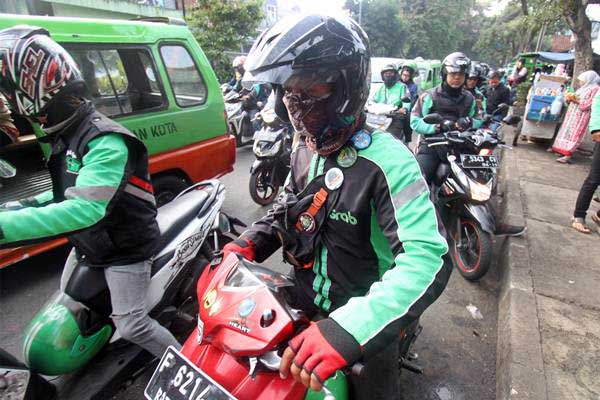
{"type": "Point", "coordinates": [359, 12]}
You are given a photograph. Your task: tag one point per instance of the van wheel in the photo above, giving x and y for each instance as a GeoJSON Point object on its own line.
{"type": "Point", "coordinates": [166, 187]}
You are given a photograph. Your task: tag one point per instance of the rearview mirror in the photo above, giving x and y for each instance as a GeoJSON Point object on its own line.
{"type": "Point", "coordinates": [433, 118]}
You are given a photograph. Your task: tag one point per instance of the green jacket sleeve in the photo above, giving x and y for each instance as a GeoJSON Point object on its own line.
{"type": "Point", "coordinates": [595, 115]}
{"type": "Point", "coordinates": [408, 220]}
{"type": "Point", "coordinates": [421, 109]}
{"type": "Point", "coordinates": [103, 170]}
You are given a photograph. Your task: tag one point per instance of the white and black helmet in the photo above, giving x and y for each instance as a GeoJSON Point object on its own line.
{"type": "Point", "coordinates": [35, 70]}
{"type": "Point", "coordinates": [455, 62]}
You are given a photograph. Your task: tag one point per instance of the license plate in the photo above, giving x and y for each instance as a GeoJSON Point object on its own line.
{"type": "Point", "coordinates": [476, 161]}
{"type": "Point", "coordinates": [176, 378]}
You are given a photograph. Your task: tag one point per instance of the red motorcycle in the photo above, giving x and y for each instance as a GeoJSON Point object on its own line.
{"type": "Point", "coordinates": [244, 324]}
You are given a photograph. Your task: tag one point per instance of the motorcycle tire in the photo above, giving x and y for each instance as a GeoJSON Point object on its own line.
{"type": "Point", "coordinates": [473, 260]}
{"type": "Point", "coordinates": [167, 187]}
{"type": "Point", "coordinates": [256, 186]}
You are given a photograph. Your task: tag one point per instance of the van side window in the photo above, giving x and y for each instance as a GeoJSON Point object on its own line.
{"type": "Point", "coordinates": [187, 83]}
{"type": "Point", "coordinates": [119, 81]}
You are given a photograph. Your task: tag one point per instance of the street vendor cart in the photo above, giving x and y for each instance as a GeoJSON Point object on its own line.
{"type": "Point", "coordinates": [544, 107]}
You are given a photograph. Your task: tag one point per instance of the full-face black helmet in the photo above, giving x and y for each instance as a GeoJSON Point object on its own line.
{"type": "Point", "coordinates": [315, 49]}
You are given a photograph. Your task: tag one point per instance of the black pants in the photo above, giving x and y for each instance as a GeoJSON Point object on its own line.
{"type": "Point", "coordinates": [380, 378]}
{"type": "Point", "coordinates": [589, 186]}
{"type": "Point", "coordinates": [429, 161]}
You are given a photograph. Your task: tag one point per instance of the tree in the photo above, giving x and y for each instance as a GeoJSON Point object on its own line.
{"type": "Point", "coordinates": [221, 25]}
{"type": "Point", "coordinates": [381, 23]}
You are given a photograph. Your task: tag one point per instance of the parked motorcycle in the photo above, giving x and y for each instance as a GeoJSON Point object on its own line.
{"type": "Point", "coordinates": [462, 188]}
{"type": "Point", "coordinates": [244, 324]}
{"type": "Point", "coordinates": [272, 148]}
{"type": "Point", "coordinates": [239, 119]}
{"type": "Point", "coordinates": [88, 355]}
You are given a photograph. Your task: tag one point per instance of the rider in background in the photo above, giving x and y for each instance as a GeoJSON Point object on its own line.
{"type": "Point", "coordinates": [474, 79]}
{"type": "Point", "coordinates": [496, 94]}
{"type": "Point", "coordinates": [395, 93]}
{"type": "Point", "coordinates": [101, 196]}
{"type": "Point", "coordinates": [407, 73]}
{"type": "Point", "coordinates": [452, 102]}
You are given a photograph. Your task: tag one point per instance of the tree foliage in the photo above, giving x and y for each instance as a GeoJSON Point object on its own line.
{"type": "Point", "coordinates": [411, 28]}
{"type": "Point", "coordinates": [221, 25]}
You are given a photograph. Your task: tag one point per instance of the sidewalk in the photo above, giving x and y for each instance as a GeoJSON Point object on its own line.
{"type": "Point", "coordinates": [549, 305]}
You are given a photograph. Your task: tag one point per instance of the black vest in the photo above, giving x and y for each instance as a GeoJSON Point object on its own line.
{"type": "Point", "coordinates": [129, 232]}
{"type": "Point", "coordinates": [450, 108]}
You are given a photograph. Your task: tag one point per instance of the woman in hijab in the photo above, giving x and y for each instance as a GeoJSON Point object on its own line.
{"type": "Point", "coordinates": [577, 118]}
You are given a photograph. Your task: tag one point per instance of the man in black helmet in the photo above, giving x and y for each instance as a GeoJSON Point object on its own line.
{"type": "Point", "coordinates": [472, 86]}
{"type": "Point", "coordinates": [101, 195]}
{"type": "Point", "coordinates": [454, 103]}
{"type": "Point", "coordinates": [355, 221]}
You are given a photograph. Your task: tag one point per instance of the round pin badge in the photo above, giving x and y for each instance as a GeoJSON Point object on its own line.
{"type": "Point", "coordinates": [361, 140]}
{"type": "Point", "coordinates": [347, 157]}
{"type": "Point", "coordinates": [307, 222]}
{"type": "Point", "coordinates": [334, 178]}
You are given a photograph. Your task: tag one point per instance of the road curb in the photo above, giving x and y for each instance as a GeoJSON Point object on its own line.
{"type": "Point", "coordinates": [519, 363]}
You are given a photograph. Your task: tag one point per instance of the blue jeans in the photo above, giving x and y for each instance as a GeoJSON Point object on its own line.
{"type": "Point", "coordinates": [128, 285]}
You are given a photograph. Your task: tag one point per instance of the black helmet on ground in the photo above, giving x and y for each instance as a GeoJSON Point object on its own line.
{"type": "Point", "coordinates": [312, 50]}
{"type": "Point", "coordinates": [455, 62]}
{"type": "Point", "coordinates": [392, 75]}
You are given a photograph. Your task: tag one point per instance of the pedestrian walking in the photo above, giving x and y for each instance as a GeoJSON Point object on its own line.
{"type": "Point", "coordinates": [593, 179]}
{"type": "Point", "coordinates": [575, 124]}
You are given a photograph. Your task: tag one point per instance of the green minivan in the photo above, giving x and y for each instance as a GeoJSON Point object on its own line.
{"type": "Point", "coordinates": [150, 76]}
{"type": "Point", "coordinates": [429, 72]}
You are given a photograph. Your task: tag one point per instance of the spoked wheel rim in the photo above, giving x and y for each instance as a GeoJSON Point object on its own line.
{"type": "Point", "coordinates": [468, 253]}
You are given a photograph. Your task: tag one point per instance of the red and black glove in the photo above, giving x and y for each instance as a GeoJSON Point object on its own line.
{"type": "Point", "coordinates": [240, 246]}
{"type": "Point", "coordinates": [318, 352]}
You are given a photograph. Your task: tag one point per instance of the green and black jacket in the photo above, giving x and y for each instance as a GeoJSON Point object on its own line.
{"type": "Point", "coordinates": [101, 196]}
{"type": "Point", "coordinates": [437, 100]}
{"type": "Point", "coordinates": [382, 258]}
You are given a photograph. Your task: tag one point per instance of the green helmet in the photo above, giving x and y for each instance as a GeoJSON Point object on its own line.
{"type": "Point", "coordinates": [54, 344]}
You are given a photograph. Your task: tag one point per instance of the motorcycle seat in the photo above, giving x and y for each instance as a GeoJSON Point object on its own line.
{"type": "Point", "coordinates": [173, 216]}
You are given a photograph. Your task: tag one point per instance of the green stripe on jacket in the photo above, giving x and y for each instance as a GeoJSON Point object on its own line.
{"type": "Point", "coordinates": [423, 246]}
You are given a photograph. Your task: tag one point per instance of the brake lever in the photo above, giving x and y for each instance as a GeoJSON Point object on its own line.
{"type": "Point", "coordinates": [438, 144]}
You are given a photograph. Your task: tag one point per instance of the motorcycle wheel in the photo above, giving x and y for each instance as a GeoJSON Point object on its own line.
{"type": "Point", "coordinates": [261, 191]}
{"type": "Point", "coordinates": [474, 258]}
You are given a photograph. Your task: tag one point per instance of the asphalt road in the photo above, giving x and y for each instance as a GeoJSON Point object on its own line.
{"type": "Point", "coordinates": [456, 349]}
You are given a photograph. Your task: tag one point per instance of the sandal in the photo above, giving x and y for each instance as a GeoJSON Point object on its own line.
{"type": "Point", "coordinates": [564, 160]}
{"type": "Point", "coordinates": [596, 219]}
{"type": "Point", "coordinates": [550, 150]}
{"type": "Point", "coordinates": [579, 225]}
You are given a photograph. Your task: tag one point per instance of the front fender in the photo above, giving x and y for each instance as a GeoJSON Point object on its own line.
{"type": "Point", "coordinates": [483, 215]}
{"type": "Point", "coordinates": [255, 165]}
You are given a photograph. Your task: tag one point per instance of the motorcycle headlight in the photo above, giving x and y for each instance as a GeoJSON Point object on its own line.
{"type": "Point", "coordinates": [268, 116]}
{"type": "Point", "coordinates": [266, 149]}
{"type": "Point", "coordinates": [480, 191]}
